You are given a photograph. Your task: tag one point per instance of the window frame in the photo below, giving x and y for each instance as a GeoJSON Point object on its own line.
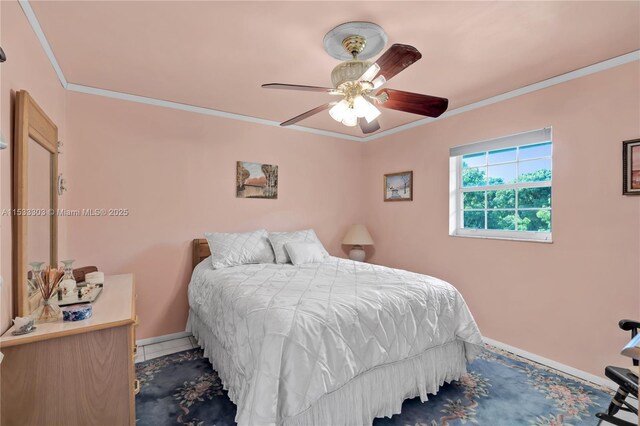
{"type": "Point", "coordinates": [457, 191]}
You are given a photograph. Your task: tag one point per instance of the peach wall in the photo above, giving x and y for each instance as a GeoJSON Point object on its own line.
{"type": "Point", "coordinates": [175, 172]}
{"type": "Point", "coordinates": [28, 68]}
{"type": "Point", "coordinates": [561, 300]}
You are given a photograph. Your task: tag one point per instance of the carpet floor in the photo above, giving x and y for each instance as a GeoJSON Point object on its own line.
{"type": "Point", "coordinates": [499, 389]}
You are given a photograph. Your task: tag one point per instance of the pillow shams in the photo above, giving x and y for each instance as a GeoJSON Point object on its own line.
{"type": "Point", "coordinates": [239, 248]}
{"type": "Point", "coordinates": [279, 239]}
{"type": "Point", "coordinates": [301, 253]}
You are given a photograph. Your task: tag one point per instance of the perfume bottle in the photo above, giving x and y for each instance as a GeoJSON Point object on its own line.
{"type": "Point", "coordinates": [36, 268]}
{"type": "Point", "coordinates": [68, 283]}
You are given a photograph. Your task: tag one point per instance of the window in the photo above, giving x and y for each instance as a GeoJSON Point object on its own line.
{"type": "Point", "coordinates": [502, 188]}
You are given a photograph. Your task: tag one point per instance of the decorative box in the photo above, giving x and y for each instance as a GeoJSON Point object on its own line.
{"type": "Point", "coordinates": [94, 278]}
{"type": "Point", "coordinates": [77, 312]}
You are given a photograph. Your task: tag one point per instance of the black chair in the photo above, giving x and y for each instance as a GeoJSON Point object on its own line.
{"type": "Point", "coordinates": [627, 385]}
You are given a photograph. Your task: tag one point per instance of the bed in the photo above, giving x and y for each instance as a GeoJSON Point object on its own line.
{"type": "Point", "coordinates": [332, 343]}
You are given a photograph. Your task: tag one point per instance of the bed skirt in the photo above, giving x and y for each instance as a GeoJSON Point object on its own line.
{"type": "Point", "coordinates": [378, 392]}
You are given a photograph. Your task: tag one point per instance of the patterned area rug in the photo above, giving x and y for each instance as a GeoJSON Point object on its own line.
{"type": "Point", "coordinates": [500, 389]}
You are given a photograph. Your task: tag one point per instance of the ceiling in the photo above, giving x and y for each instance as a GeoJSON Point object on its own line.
{"type": "Point", "coordinates": [217, 54]}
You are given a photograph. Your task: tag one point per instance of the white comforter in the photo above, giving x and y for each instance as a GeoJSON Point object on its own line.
{"type": "Point", "coordinates": [296, 333]}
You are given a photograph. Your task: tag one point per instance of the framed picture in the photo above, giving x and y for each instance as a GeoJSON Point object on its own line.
{"type": "Point", "coordinates": [631, 167]}
{"type": "Point", "coordinates": [256, 180]}
{"type": "Point", "coordinates": [398, 186]}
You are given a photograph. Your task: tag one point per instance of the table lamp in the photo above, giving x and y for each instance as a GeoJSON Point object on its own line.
{"type": "Point", "coordinates": [358, 236]}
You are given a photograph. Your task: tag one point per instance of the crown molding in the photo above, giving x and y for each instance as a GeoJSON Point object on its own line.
{"type": "Point", "coordinates": [35, 25]}
{"type": "Point", "coordinates": [201, 110]}
{"type": "Point", "coordinates": [37, 29]}
{"type": "Point", "coordinates": [581, 72]}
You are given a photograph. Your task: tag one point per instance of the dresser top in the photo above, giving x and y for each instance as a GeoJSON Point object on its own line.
{"type": "Point", "coordinates": [114, 307]}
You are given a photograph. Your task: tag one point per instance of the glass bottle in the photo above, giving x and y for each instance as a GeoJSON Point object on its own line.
{"type": "Point", "coordinates": [36, 268]}
{"type": "Point", "coordinates": [48, 311]}
{"type": "Point", "coordinates": [68, 283]}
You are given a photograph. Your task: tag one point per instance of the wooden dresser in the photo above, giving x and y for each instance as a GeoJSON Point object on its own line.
{"type": "Point", "coordinates": [74, 373]}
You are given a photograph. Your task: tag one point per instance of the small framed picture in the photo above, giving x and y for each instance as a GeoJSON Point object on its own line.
{"type": "Point", "coordinates": [256, 180]}
{"type": "Point", "coordinates": [631, 167]}
{"type": "Point", "coordinates": [398, 186]}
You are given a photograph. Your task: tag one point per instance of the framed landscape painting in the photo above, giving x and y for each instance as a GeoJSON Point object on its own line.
{"type": "Point", "coordinates": [398, 186]}
{"type": "Point", "coordinates": [631, 167]}
{"type": "Point", "coordinates": [256, 180]}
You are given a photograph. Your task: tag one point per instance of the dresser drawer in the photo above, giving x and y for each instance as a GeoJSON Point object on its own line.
{"type": "Point", "coordinates": [79, 373]}
{"type": "Point", "coordinates": [90, 384]}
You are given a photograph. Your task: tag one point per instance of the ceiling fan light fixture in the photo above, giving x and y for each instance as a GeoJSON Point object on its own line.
{"type": "Point", "coordinates": [378, 81]}
{"type": "Point", "coordinates": [370, 112]}
{"type": "Point", "coordinates": [339, 111]}
{"type": "Point", "coordinates": [348, 71]}
{"type": "Point", "coordinates": [360, 106]}
{"type": "Point", "coordinates": [370, 73]}
{"type": "Point", "coordinates": [350, 119]}
{"type": "Point", "coordinates": [363, 108]}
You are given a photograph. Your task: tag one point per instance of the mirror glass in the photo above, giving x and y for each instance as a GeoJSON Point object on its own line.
{"type": "Point", "coordinates": [38, 205]}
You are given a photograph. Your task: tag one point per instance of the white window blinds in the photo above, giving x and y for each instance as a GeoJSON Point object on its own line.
{"type": "Point", "coordinates": [526, 138]}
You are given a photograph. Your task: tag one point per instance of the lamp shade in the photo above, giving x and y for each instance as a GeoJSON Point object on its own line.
{"type": "Point", "coordinates": [358, 235]}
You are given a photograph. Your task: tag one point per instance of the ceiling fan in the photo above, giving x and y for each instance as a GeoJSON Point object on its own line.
{"type": "Point", "coordinates": [359, 82]}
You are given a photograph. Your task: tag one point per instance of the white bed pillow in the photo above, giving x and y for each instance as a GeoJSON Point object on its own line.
{"type": "Point", "coordinates": [301, 253]}
{"type": "Point", "coordinates": [239, 248]}
{"type": "Point", "coordinates": [279, 239]}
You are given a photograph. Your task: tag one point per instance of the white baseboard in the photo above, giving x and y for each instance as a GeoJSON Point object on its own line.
{"type": "Point", "coordinates": [158, 339]}
{"type": "Point", "coordinates": [553, 364]}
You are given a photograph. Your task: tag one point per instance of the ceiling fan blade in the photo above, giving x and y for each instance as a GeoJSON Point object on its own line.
{"type": "Point", "coordinates": [329, 90]}
{"type": "Point", "coordinates": [308, 114]}
{"type": "Point", "coordinates": [397, 58]}
{"type": "Point", "coordinates": [374, 126]}
{"type": "Point", "coordinates": [431, 106]}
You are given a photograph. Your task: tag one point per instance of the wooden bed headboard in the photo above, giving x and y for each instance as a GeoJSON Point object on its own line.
{"type": "Point", "coordinates": [200, 251]}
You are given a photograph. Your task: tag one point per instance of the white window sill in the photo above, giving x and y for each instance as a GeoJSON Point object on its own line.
{"type": "Point", "coordinates": [491, 237]}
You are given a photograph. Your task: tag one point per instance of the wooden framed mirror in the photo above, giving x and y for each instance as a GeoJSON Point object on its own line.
{"type": "Point", "coordinates": [35, 198]}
